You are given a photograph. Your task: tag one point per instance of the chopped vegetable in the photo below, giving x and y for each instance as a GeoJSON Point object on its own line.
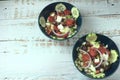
{"type": "Point", "coordinates": [61, 23]}
{"type": "Point", "coordinates": [94, 57]}
{"type": "Point", "coordinates": [42, 21]}
{"type": "Point", "coordinates": [92, 37]}
{"type": "Point", "coordinates": [75, 12]}
{"type": "Point", "coordinates": [113, 56]}
{"type": "Point", "coordinates": [60, 7]}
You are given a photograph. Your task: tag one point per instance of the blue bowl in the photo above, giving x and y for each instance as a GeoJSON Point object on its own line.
{"type": "Point", "coordinates": [106, 41]}
{"type": "Point", "coordinates": [50, 8]}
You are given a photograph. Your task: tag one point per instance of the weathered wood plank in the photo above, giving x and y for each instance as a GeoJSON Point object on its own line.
{"type": "Point", "coordinates": [25, 52]}
{"type": "Point", "coordinates": [41, 46]}
{"type": "Point", "coordinates": [56, 64]}
{"type": "Point", "coordinates": [20, 9]}
{"type": "Point", "coordinates": [24, 29]}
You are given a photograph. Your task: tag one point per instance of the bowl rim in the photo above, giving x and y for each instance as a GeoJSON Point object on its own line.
{"type": "Point", "coordinates": [78, 29]}
{"type": "Point", "coordinates": [98, 34]}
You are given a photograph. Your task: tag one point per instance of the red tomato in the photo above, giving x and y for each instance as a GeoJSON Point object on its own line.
{"type": "Point", "coordinates": [67, 12]}
{"type": "Point", "coordinates": [102, 50]}
{"type": "Point", "coordinates": [93, 52]}
{"type": "Point", "coordinates": [70, 22]}
{"type": "Point", "coordinates": [56, 28]}
{"type": "Point", "coordinates": [85, 57]}
{"type": "Point", "coordinates": [51, 19]}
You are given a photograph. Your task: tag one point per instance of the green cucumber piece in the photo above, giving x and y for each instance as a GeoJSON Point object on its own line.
{"type": "Point", "coordinates": [42, 21]}
{"type": "Point", "coordinates": [95, 44]}
{"type": "Point", "coordinates": [60, 7]}
{"type": "Point", "coordinates": [75, 12]}
{"type": "Point", "coordinates": [91, 37]}
{"type": "Point", "coordinates": [113, 56]}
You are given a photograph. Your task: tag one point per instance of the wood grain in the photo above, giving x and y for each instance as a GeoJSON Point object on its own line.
{"type": "Point", "coordinates": [27, 54]}
{"type": "Point", "coordinates": [24, 8]}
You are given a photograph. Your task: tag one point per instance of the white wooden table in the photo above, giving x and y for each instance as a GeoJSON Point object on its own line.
{"type": "Point", "coordinates": [27, 54]}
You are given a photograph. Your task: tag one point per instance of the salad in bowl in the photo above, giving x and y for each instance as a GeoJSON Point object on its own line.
{"type": "Point", "coordinates": [96, 56]}
{"type": "Point", "coordinates": [60, 20]}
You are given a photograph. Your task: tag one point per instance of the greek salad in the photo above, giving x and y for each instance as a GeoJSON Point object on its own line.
{"type": "Point", "coordinates": [94, 58]}
{"type": "Point", "coordinates": [61, 23]}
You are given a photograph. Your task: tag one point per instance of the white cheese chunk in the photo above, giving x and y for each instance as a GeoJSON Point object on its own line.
{"type": "Point", "coordinates": [59, 19]}
{"type": "Point", "coordinates": [60, 27]}
{"type": "Point", "coordinates": [105, 57]}
{"type": "Point", "coordinates": [96, 60]}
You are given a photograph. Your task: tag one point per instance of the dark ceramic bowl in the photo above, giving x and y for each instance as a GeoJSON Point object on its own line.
{"type": "Point", "coordinates": [106, 41]}
{"type": "Point", "coordinates": [51, 8]}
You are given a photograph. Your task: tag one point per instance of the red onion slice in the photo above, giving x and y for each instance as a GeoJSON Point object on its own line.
{"type": "Point", "coordinates": [101, 59]}
{"type": "Point", "coordinates": [59, 34]}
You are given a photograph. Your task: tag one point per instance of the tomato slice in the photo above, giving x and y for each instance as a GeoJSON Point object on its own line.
{"type": "Point", "coordinates": [102, 50]}
{"type": "Point", "coordinates": [67, 12]}
{"type": "Point", "coordinates": [85, 57]}
{"type": "Point", "coordinates": [93, 52]}
{"type": "Point", "coordinates": [56, 28]}
{"type": "Point", "coordinates": [70, 22]}
{"type": "Point", "coordinates": [51, 19]}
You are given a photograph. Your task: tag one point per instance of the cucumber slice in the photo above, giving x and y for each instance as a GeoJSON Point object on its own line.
{"type": "Point", "coordinates": [91, 37]}
{"type": "Point", "coordinates": [60, 7]}
{"type": "Point", "coordinates": [65, 30]}
{"type": "Point", "coordinates": [60, 38]}
{"type": "Point", "coordinates": [75, 12]}
{"type": "Point", "coordinates": [42, 21]}
{"type": "Point", "coordinates": [113, 56]}
{"type": "Point", "coordinates": [95, 44]}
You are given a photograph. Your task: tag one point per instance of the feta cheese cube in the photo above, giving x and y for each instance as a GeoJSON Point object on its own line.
{"type": "Point", "coordinates": [59, 19]}
{"type": "Point", "coordinates": [96, 60]}
{"type": "Point", "coordinates": [105, 56]}
{"type": "Point", "coordinates": [60, 27]}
